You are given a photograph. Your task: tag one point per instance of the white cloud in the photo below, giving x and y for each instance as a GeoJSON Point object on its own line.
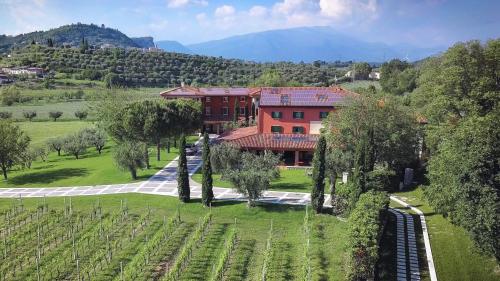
{"type": "Point", "coordinates": [225, 16]}
{"type": "Point", "coordinates": [257, 11]}
{"type": "Point", "coordinates": [224, 11]}
{"type": "Point", "coordinates": [182, 3]}
{"type": "Point", "coordinates": [26, 16]}
{"type": "Point", "coordinates": [177, 3]}
{"type": "Point", "coordinates": [320, 12]}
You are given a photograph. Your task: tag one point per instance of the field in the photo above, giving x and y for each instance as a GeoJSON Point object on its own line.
{"type": "Point", "coordinates": [455, 257]}
{"type": "Point", "coordinates": [91, 169]}
{"type": "Point", "coordinates": [42, 110]}
{"type": "Point", "coordinates": [145, 237]}
{"type": "Point", "coordinates": [67, 100]}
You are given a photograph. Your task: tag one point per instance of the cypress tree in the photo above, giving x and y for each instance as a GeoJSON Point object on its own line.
{"type": "Point", "coordinates": [359, 176]}
{"type": "Point", "coordinates": [318, 190]}
{"type": "Point", "coordinates": [235, 110]}
{"type": "Point", "coordinates": [182, 173]}
{"type": "Point", "coordinates": [370, 152]}
{"type": "Point", "coordinates": [207, 194]}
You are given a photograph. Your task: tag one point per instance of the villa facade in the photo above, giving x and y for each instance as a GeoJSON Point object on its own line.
{"type": "Point", "coordinates": [288, 119]}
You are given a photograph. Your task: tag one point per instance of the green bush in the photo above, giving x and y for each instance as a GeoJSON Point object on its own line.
{"type": "Point", "coordinates": [30, 114]}
{"type": "Point", "coordinates": [5, 115]}
{"type": "Point", "coordinates": [365, 227]}
{"type": "Point", "coordinates": [55, 115]}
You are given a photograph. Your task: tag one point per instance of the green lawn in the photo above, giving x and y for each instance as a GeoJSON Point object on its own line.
{"type": "Point", "coordinates": [42, 109]}
{"type": "Point", "coordinates": [289, 180]}
{"type": "Point", "coordinates": [455, 256]}
{"type": "Point", "coordinates": [328, 236]}
{"type": "Point", "coordinates": [91, 169]}
{"type": "Point", "coordinates": [39, 132]}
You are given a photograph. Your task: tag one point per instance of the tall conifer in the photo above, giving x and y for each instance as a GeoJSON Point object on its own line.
{"type": "Point", "coordinates": [318, 190]}
{"type": "Point", "coordinates": [207, 194]}
{"type": "Point", "coordinates": [182, 173]}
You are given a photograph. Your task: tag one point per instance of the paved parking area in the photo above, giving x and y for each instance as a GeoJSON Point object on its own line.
{"type": "Point", "coordinates": [164, 182]}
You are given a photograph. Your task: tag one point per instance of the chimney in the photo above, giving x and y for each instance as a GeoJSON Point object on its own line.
{"type": "Point", "coordinates": [182, 84]}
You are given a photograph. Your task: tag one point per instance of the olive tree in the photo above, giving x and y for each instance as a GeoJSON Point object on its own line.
{"type": "Point", "coordinates": [55, 115]}
{"type": "Point", "coordinates": [30, 114]}
{"type": "Point", "coordinates": [55, 144]}
{"type": "Point", "coordinates": [75, 145]}
{"type": "Point", "coordinates": [95, 137]}
{"type": "Point", "coordinates": [129, 156]}
{"type": "Point", "coordinates": [13, 144]}
{"type": "Point", "coordinates": [253, 174]}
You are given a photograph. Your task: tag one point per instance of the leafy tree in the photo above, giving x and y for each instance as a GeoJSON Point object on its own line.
{"type": "Point", "coordinates": [27, 158]}
{"type": "Point", "coordinates": [361, 70]}
{"type": "Point", "coordinates": [81, 114]}
{"type": "Point", "coordinates": [318, 190]}
{"type": "Point", "coordinates": [55, 115]}
{"type": "Point", "coordinates": [55, 144]}
{"type": "Point", "coordinates": [183, 173]}
{"type": "Point", "coordinates": [13, 144]}
{"type": "Point", "coordinates": [30, 114]}
{"type": "Point", "coordinates": [459, 94]}
{"type": "Point", "coordinates": [95, 137]}
{"type": "Point", "coordinates": [5, 115]}
{"type": "Point", "coordinates": [397, 77]}
{"type": "Point", "coordinates": [207, 194]}
{"type": "Point", "coordinates": [10, 95]}
{"type": "Point", "coordinates": [41, 152]}
{"type": "Point", "coordinates": [374, 119]}
{"type": "Point", "coordinates": [91, 74]}
{"type": "Point", "coordinates": [337, 161]}
{"type": "Point", "coordinates": [464, 179]}
{"type": "Point", "coordinates": [224, 156]}
{"type": "Point", "coordinates": [112, 80]}
{"type": "Point", "coordinates": [273, 78]}
{"type": "Point", "coordinates": [254, 174]}
{"type": "Point", "coordinates": [50, 43]}
{"type": "Point", "coordinates": [75, 144]}
{"type": "Point", "coordinates": [129, 156]}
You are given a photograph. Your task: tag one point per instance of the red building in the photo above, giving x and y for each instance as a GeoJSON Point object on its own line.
{"type": "Point", "coordinates": [219, 104]}
{"type": "Point", "coordinates": [289, 119]}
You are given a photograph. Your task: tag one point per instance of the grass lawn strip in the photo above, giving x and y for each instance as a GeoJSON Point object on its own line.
{"type": "Point", "coordinates": [455, 257]}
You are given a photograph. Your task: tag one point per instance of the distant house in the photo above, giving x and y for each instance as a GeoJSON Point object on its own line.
{"type": "Point", "coordinates": [30, 71]}
{"type": "Point", "coordinates": [349, 74]}
{"type": "Point", "coordinates": [374, 75]}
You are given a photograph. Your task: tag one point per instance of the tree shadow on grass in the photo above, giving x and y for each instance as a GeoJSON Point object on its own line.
{"type": "Point", "coordinates": [289, 186]}
{"type": "Point", "coordinates": [46, 177]}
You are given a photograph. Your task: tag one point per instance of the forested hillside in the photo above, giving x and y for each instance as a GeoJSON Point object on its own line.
{"type": "Point", "coordinates": [133, 67]}
{"type": "Point", "coordinates": [70, 35]}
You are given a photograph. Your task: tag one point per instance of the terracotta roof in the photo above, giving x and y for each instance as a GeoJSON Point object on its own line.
{"type": "Point", "coordinates": [239, 133]}
{"type": "Point", "coordinates": [271, 96]}
{"type": "Point", "coordinates": [248, 138]}
{"type": "Point", "coordinates": [304, 96]}
{"type": "Point", "coordinates": [188, 91]}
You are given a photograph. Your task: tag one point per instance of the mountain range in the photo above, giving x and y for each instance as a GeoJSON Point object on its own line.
{"type": "Point", "coordinates": [305, 44]}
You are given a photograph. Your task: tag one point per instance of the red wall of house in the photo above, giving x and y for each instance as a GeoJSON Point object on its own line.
{"type": "Point", "coordinates": [287, 121]}
{"type": "Point", "coordinates": [216, 104]}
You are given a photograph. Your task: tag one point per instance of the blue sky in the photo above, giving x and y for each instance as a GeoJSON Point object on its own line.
{"type": "Point", "coordinates": [424, 23]}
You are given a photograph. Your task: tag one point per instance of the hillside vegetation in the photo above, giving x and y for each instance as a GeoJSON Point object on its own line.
{"type": "Point", "coordinates": [133, 67]}
{"type": "Point", "coordinates": [70, 35]}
